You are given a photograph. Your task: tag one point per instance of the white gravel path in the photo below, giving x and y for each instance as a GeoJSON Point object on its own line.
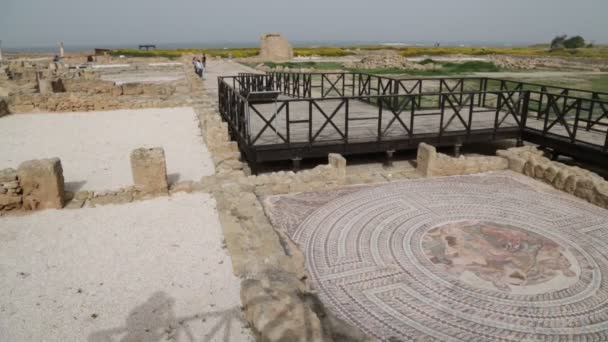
{"type": "Point", "coordinates": [124, 78]}
{"type": "Point", "coordinates": [143, 271]}
{"type": "Point", "coordinates": [94, 147]}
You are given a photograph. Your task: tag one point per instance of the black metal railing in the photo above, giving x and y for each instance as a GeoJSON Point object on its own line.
{"type": "Point", "coordinates": [325, 108]}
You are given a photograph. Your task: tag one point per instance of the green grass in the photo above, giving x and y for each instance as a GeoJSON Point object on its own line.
{"type": "Point", "coordinates": [600, 83]}
{"type": "Point", "coordinates": [307, 65]}
{"type": "Point", "coordinates": [322, 51]}
{"type": "Point", "coordinates": [235, 52]}
{"type": "Point", "coordinates": [600, 51]}
{"type": "Point", "coordinates": [447, 68]}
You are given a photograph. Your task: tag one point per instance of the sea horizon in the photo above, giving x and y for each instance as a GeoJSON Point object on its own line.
{"type": "Point", "coordinates": [46, 48]}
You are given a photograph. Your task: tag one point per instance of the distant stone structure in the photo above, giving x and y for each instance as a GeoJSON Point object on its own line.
{"type": "Point", "coordinates": [61, 50]}
{"type": "Point", "coordinates": [275, 48]}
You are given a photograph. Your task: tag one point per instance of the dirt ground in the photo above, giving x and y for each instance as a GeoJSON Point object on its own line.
{"type": "Point", "coordinates": [144, 271]}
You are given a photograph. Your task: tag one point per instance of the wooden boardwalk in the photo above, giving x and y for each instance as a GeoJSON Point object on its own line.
{"type": "Point", "coordinates": [596, 137]}
{"type": "Point", "coordinates": [318, 114]}
{"type": "Point", "coordinates": [363, 122]}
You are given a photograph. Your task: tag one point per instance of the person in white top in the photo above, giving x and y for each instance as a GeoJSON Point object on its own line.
{"type": "Point", "coordinates": [199, 68]}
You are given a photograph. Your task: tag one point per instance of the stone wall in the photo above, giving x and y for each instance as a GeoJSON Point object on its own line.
{"type": "Point", "coordinates": [10, 190]}
{"type": "Point", "coordinates": [101, 96]}
{"type": "Point", "coordinates": [275, 48]}
{"type": "Point", "coordinates": [571, 179]}
{"type": "Point", "coordinates": [430, 163]}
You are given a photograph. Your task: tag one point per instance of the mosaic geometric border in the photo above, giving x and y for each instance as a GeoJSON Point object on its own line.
{"type": "Point", "coordinates": [364, 250]}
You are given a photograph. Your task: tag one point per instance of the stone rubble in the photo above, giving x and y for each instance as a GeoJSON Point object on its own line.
{"type": "Point", "coordinates": [389, 60]}
{"type": "Point", "coordinates": [10, 190]}
{"type": "Point", "coordinates": [559, 63]}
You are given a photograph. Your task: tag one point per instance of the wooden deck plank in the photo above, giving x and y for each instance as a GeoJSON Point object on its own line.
{"type": "Point", "coordinates": [362, 121]}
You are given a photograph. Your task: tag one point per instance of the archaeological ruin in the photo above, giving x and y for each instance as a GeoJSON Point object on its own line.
{"type": "Point", "coordinates": [274, 47]}
{"type": "Point", "coordinates": [142, 199]}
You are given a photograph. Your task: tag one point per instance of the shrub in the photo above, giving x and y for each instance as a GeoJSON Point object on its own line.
{"type": "Point", "coordinates": [575, 42]}
{"type": "Point", "coordinates": [322, 51]}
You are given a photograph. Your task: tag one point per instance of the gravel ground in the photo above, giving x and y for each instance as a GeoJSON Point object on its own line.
{"type": "Point", "coordinates": [145, 271]}
{"type": "Point", "coordinates": [94, 147]}
{"type": "Point", "coordinates": [147, 77]}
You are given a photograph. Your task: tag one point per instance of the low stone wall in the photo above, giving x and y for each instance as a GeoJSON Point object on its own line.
{"type": "Point", "coordinates": [430, 163]}
{"type": "Point", "coordinates": [278, 300]}
{"type": "Point", "coordinates": [571, 179]}
{"type": "Point", "coordinates": [126, 97]}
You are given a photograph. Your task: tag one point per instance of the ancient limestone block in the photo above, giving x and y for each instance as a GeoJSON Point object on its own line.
{"type": "Point", "coordinates": [559, 182]}
{"type": "Point", "coordinates": [585, 189]}
{"type": "Point", "coordinates": [44, 86]}
{"type": "Point", "coordinates": [600, 197]}
{"type": "Point", "coordinates": [11, 185]}
{"type": "Point", "coordinates": [275, 48]}
{"type": "Point", "coordinates": [4, 108]}
{"type": "Point", "coordinates": [149, 170]}
{"type": "Point", "coordinates": [338, 162]}
{"type": "Point", "coordinates": [116, 90]}
{"type": "Point", "coordinates": [529, 168]}
{"type": "Point", "coordinates": [539, 171]}
{"type": "Point", "coordinates": [8, 175]}
{"type": "Point", "coordinates": [525, 149]}
{"type": "Point", "coordinates": [550, 173]}
{"type": "Point", "coordinates": [10, 201]}
{"type": "Point", "coordinates": [425, 159]}
{"type": "Point", "coordinates": [132, 89]}
{"type": "Point", "coordinates": [42, 184]}
{"type": "Point", "coordinates": [570, 183]}
{"type": "Point", "coordinates": [516, 162]}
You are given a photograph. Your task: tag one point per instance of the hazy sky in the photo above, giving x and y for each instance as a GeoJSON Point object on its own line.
{"type": "Point", "coordinates": [119, 22]}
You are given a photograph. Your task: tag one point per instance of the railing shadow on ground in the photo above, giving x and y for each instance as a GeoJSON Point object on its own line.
{"type": "Point", "coordinates": [155, 320]}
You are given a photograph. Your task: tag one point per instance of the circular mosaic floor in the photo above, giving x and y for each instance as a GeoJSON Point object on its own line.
{"type": "Point", "coordinates": [463, 258]}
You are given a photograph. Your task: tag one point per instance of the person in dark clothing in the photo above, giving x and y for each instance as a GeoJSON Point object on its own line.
{"type": "Point", "coordinates": [205, 61]}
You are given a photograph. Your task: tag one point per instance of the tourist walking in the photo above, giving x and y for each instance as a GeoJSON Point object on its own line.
{"type": "Point", "coordinates": [194, 65]}
{"type": "Point", "coordinates": [199, 68]}
{"type": "Point", "coordinates": [205, 60]}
